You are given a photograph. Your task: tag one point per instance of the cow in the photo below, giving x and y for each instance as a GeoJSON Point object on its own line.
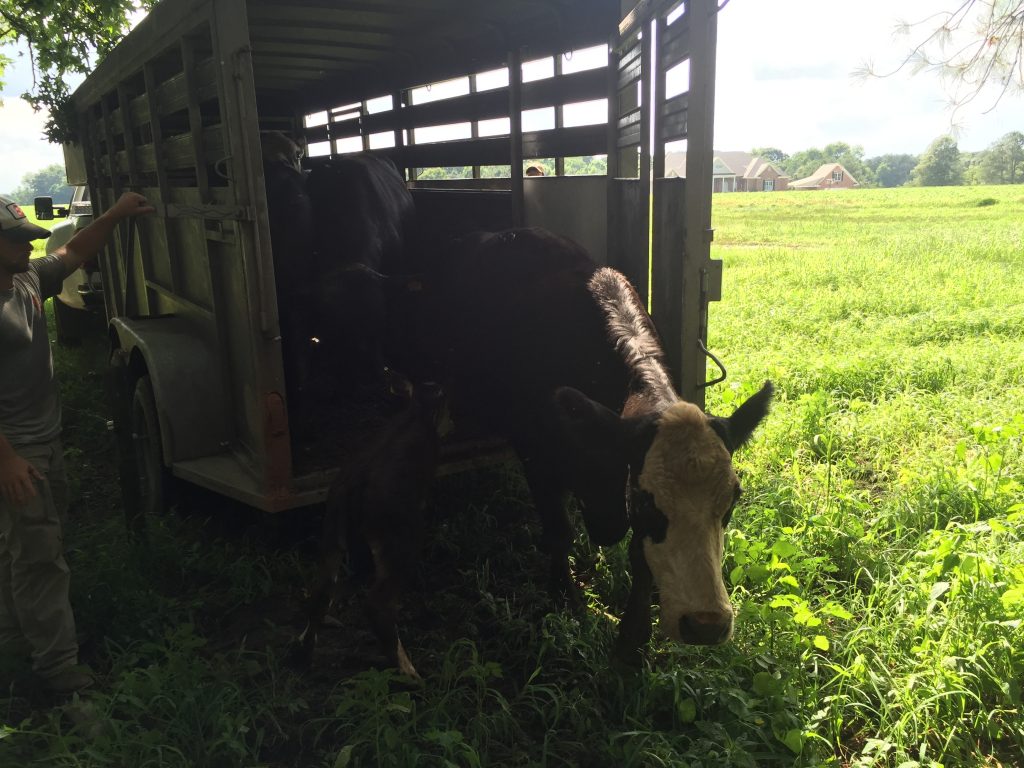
{"type": "Point", "coordinates": [290, 216]}
{"type": "Point", "coordinates": [558, 355]}
{"type": "Point", "coordinates": [374, 513]}
{"type": "Point", "coordinates": [365, 225]}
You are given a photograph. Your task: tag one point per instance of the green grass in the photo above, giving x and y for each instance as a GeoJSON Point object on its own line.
{"type": "Point", "coordinates": [877, 561]}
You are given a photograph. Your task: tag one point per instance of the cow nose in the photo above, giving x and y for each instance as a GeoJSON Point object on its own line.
{"type": "Point", "coordinates": [705, 627]}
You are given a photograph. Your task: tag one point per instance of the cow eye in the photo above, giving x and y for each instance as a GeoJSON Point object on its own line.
{"type": "Point", "coordinates": [728, 513]}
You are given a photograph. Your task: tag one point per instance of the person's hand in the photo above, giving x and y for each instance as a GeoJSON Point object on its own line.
{"type": "Point", "coordinates": [17, 479]}
{"type": "Point", "coordinates": [130, 204]}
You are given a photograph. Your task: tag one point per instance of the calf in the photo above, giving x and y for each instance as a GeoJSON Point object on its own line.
{"type": "Point", "coordinates": [560, 356]}
{"type": "Point", "coordinates": [374, 512]}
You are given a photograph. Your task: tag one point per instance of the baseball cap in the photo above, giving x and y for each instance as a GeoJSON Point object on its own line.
{"type": "Point", "coordinates": [15, 226]}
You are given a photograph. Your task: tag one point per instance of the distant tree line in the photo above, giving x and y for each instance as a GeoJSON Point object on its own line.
{"type": "Point", "coordinates": [48, 182]}
{"type": "Point", "coordinates": [941, 165]}
{"type": "Point", "coordinates": [588, 165]}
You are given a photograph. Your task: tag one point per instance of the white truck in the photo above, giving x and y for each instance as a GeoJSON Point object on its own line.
{"type": "Point", "coordinates": [78, 308]}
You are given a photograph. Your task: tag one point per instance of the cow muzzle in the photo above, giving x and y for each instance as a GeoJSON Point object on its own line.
{"type": "Point", "coordinates": [705, 627]}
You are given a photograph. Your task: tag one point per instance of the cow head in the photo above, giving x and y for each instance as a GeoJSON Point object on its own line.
{"type": "Point", "coordinates": [680, 496]}
{"type": "Point", "coordinates": [278, 148]}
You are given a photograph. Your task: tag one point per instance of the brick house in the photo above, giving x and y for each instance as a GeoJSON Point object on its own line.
{"type": "Point", "coordinates": [828, 176]}
{"type": "Point", "coordinates": [734, 172]}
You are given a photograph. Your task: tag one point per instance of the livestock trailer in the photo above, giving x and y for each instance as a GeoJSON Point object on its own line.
{"type": "Point", "coordinates": [176, 112]}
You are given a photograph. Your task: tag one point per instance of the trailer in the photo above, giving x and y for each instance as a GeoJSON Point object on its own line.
{"type": "Point", "coordinates": [176, 112]}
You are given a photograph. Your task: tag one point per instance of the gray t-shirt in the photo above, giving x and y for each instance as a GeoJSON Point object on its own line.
{"type": "Point", "coordinates": [29, 401]}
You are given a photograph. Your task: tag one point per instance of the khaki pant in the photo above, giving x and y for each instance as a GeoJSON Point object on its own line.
{"type": "Point", "coordinates": [35, 612]}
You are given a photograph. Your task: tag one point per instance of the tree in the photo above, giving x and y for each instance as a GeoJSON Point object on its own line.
{"type": "Point", "coordinates": [63, 36]}
{"type": "Point", "coordinates": [1003, 161]}
{"type": "Point", "coordinates": [892, 170]}
{"type": "Point", "coordinates": [940, 165]}
{"type": "Point", "coordinates": [980, 43]}
{"type": "Point", "coordinates": [48, 182]}
{"type": "Point", "coordinates": [771, 154]}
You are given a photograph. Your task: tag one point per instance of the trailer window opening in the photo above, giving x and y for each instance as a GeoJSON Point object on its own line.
{"type": "Point", "coordinates": [348, 145]}
{"type": "Point", "coordinates": [445, 89]}
{"type": "Point", "coordinates": [495, 171]}
{"type": "Point", "coordinates": [677, 79]}
{"type": "Point", "coordinates": [380, 104]}
{"type": "Point", "coordinates": [315, 119]}
{"type": "Point", "coordinates": [538, 69]}
{"type": "Point", "coordinates": [585, 113]}
{"type": "Point", "coordinates": [542, 119]}
{"type": "Point", "coordinates": [319, 149]}
{"type": "Point", "coordinates": [384, 140]}
{"type": "Point", "coordinates": [498, 126]}
{"type": "Point", "coordinates": [494, 78]}
{"type": "Point", "coordinates": [584, 59]}
{"type": "Point", "coordinates": [436, 133]}
{"type": "Point", "coordinates": [676, 14]}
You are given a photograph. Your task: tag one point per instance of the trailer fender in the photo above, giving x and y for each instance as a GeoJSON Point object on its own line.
{"type": "Point", "coordinates": [187, 383]}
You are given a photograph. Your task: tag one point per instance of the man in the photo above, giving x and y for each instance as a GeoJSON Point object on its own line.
{"type": "Point", "coordinates": [35, 612]}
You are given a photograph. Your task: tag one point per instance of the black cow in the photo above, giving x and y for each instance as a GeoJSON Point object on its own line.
{"type": "Point", "coordinates": [560, 356]}
{"type": "Point", "coordinates": [365, 222]}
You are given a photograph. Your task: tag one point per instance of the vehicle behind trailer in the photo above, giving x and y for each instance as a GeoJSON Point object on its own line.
{"type": "Point", "coordinates": [178, 112]}
{"type": "Point", "coordinates": [78, 308]}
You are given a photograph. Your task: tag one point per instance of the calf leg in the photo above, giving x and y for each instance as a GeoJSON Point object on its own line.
{"type": "Point", "coordinates": [382, 607]}
{"type": "Point", "coordinates": [558, 534]}
{"type": "Point", "coordinates": [340, 500]}
{"type": "Point", "coordinates": [320, 601]}
{"type": "Point", "coordinates": [635, 629]}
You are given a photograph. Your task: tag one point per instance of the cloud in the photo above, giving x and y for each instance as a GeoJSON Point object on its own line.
{"type": "Point", "coordinates": [23, 149]}
{"type": "Point", "coordinates": [784, 79]}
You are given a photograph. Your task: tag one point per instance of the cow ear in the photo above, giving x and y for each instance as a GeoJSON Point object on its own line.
{"type": "Point", "coordinates": [744, 420]}
{"type": "Point", "coordinates": [589, 425]}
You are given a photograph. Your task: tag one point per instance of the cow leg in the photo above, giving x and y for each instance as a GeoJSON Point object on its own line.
{"type": "Point", "coordinates": [382, 608]}
{"type": "Point", "coordinates": [549, 498]}
{"type": "Point", "coordinates": [635, 628]}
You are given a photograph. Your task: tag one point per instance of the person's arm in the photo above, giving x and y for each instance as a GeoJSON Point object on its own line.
{"type": "Point", "coordinates": [90, 241]}
{"type": "Point", "coordinates": [17, 476]}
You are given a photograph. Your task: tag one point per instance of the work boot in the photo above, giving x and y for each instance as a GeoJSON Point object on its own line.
{"type": "Point", "coordinates": [69, 680]}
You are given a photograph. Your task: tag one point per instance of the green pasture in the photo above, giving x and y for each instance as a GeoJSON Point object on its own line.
{"type": "Point", "coordinates": [876, 562]}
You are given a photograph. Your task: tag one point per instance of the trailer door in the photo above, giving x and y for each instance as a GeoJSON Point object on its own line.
{"type": "Point", "coordinates": [662, 92]}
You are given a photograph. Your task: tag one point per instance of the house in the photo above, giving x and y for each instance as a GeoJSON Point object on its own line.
{"type": "Point", "coordinates": [734, 172]}
{"type": "Point", "coordinates": [828, 176]}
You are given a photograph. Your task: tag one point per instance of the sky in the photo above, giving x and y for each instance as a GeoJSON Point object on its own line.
{"type": "Point", "coordinates": [784, 79]}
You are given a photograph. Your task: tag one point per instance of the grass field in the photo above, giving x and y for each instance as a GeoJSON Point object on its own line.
{"type": "Point", "coordinates": [877, 560]}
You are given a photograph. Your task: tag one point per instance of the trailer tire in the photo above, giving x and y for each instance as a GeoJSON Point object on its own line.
{"type": "Point", "coordinates": [154, 481]}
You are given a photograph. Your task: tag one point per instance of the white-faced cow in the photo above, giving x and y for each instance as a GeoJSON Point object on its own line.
{"type": "Point", "coordinates": [559, 356]}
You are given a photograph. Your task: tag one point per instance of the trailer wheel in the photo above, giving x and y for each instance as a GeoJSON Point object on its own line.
{"type": "Point", "coordinates": [154, 481]}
